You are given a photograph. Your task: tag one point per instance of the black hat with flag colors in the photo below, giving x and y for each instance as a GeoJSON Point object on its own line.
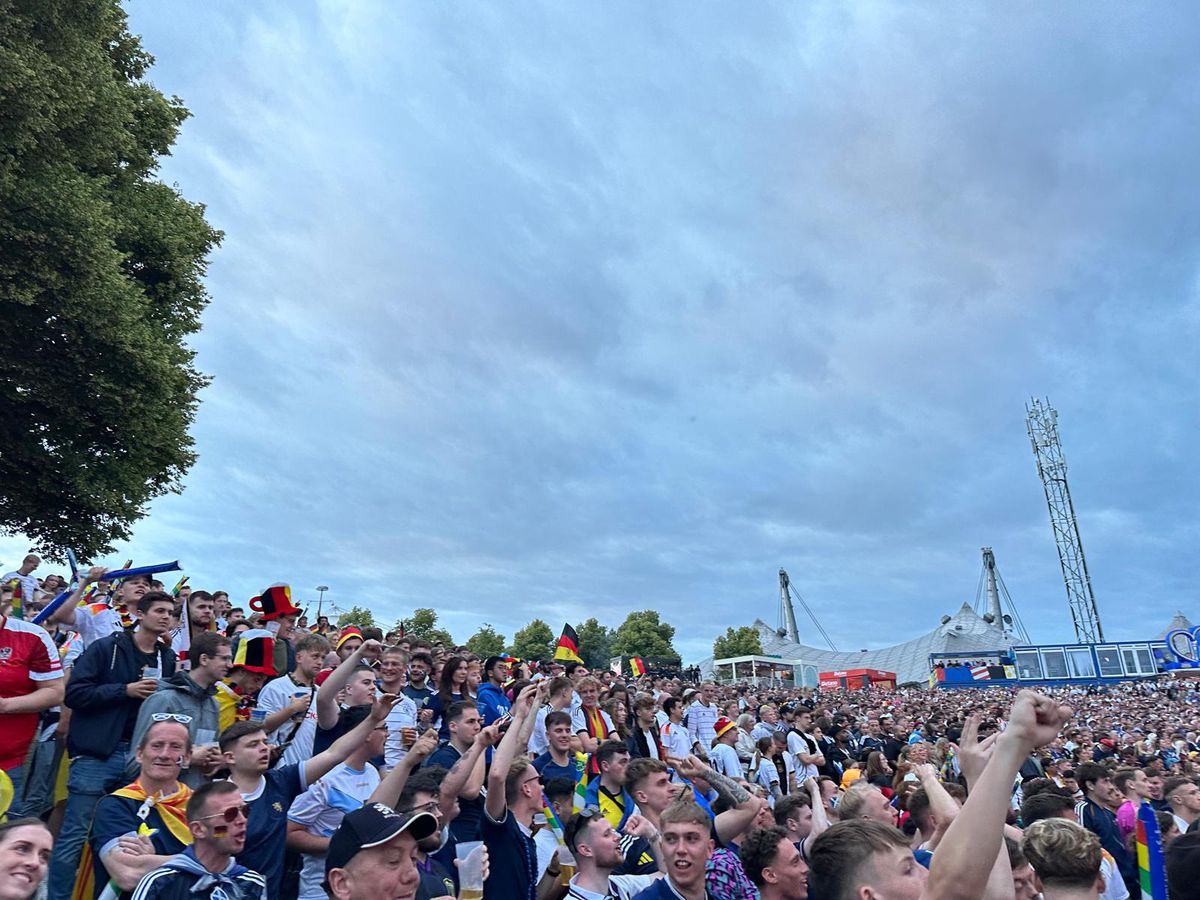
{"type": "Point", "coordinates": [274, 602]}
{"type": "Point", "coordinates": [256, 651]}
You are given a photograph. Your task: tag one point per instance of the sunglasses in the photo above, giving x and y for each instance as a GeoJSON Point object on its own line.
{"type": "Point", "coordinates": [231, 814]}
{"type": "Point", "coordinates": [170, 717]}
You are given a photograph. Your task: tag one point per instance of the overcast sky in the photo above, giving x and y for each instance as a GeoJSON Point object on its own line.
{"type": "Point", "coordinates": [563, 310]}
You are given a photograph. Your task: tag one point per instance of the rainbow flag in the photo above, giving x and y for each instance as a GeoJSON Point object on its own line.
{"type": "Point", "coordinates": [553, 821]}
{"type": "Point", "coordinates": [17, 610]}
{"type": "Point", "coordinates": [581, 761]}
{"type": "Point", "coordinates": [1152, 871]}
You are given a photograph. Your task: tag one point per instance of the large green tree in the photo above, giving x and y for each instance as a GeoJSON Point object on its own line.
{"type": "Point", "coordinates": [644, 634]}
{"type": "Point", "coordinates": [533, 641]}
{"type": "Point", "coordinates": [595, 644]}
{"type": "Point", "coordinates": [742, 641]}
{"type": "Point", "coordinates": [101, 280]}
{"type": "Point", "coordinates": [422, 625]}
{"type": "Point", "coordinates": [357, 615]}
{"type": "Point", "coordinates": [486, 642]}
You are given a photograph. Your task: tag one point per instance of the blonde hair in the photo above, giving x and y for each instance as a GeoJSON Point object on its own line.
{"type": "Point", "coordinates": [1062, 853]}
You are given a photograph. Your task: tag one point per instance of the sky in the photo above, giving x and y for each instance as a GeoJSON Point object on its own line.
{"type": "Point", "coordinates": [569, 310]}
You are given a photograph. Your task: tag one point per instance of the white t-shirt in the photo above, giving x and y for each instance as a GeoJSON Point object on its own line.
{"type": "Point", "coordinates": [402, 715]}
{"type": "Point", "coordinates": [675, 740]}
{"type": "Point", "coordinates": [29, 585]}
{"type": "Point", "coordinates": [321, 808]}
{"type": "Point", "coordinates": [724, 759]}
{"type": "Point", "coordinates": [579, 723]}
{"type": "Point", "coordinates": [798, 744]}
{"type": "Point", "coordinates": [275, 695]}
{"type": "Point", "coordinates": [94, 622]}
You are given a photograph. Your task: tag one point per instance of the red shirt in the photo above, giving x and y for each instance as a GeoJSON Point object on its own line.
{"type": "Point", "coordinates": [27, 657]}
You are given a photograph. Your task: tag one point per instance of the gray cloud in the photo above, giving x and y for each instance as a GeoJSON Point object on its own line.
{"type": "Point", "coordinates": [565, 313]}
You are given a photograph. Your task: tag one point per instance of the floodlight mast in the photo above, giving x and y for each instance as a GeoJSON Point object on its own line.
{"type": "Point", "coordinates": [789, 613]}
{"type": "Point", "coordinates": [1042, 423]}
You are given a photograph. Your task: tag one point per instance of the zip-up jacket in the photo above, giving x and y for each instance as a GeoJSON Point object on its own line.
{"type": "Point", "coordinates": [180, 695]}
{"type": "Point", "coordinates": [100, 708]}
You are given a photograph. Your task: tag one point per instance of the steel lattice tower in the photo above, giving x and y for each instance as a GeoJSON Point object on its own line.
{"type": "Point", "coordinates": [1042, 422]}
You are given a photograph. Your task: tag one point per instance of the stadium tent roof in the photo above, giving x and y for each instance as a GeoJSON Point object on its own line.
{"type": "Point", "coordinates": [1180, 621]}
{"type": "Point", "coordinates": [966, 632]}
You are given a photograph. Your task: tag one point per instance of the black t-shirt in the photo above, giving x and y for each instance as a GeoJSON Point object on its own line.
{"type": "Point", "coordinates": [144, 660]}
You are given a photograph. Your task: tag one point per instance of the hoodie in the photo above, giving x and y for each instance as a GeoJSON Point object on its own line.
{"type": "Point", "coordinates": [492, 702]}
{"type": "Point", "coordinates": [180, 695]}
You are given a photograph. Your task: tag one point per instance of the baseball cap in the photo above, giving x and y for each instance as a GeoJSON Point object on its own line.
{"type": "Point", "coordinates": [372, 825]}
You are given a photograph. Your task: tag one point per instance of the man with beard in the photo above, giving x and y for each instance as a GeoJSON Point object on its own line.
{"type": "Point", "coordinates": [596, 846]}
{"type": "Point", "coordinates": [772, 861]}
{"type": "Point", "coordinates": [216, 818]}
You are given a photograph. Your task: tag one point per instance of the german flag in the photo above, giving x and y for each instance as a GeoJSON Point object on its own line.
{"type": "Point", "coordinates": [637, 667]}
{"type": "Point", "coordinates": [568, 645]}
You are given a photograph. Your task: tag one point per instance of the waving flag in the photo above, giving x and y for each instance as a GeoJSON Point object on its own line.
{"type": "Point", "coordinates": [637, 667]}
{"type": "Point", "coordinates": [17, 610]}
{"type": "Point", "coordinates": [568, 645]}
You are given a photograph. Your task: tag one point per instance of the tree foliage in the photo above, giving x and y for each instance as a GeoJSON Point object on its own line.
{"type": "Point", "coordinates": [422, 625]}
{"type": "Point", "coordinates": [533, 641]}
{"type": "Point", "coordinates": [357, 615]}
{"type": "Point", "coordinates": [595, 644]}
{"type": "Point", "coordinates": [486, 642]}
{"type": "Point", "coordinates": [643, 634]}
{"type": "Point", "coordinates": [101, 274]}
{"type": "Point", "coordinates": [742, 641]}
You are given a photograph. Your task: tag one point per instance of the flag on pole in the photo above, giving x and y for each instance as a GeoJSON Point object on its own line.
{"type": "Point", "coordinates": [637, 667]}
{"type": "Point", "coordinates": [568, 645]}
{"type": "Point", "coordinates": [1152, 871]}
{"type": "Point", "coordinates": [179, 586]}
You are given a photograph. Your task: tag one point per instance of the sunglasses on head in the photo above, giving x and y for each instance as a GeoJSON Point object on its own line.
{"type": "Point", "coordinates": [230, 814]}
{"type": "Point", "coordinates": [170, 717]}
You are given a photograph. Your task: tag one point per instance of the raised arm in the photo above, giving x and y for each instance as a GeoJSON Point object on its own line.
{"type": "Point", "coordinates": [942, 806]}
{"type": "Point", "coordinates": [327, 705]}
{"type": "Point", "coordinates": [965, 858]}
{"type": "Point", "coordinates": [497, 803]}
{"type": "Point", "coordinates": [65, 614]}
{"type": "Point", "coordinates": [465, 778]}
{"type": "Point", "coordinates": [318, 765]}
{"type": "Point", "coordinates": [820, 819]}
{"type": "Point", "coordinates": [389, 789]}
{"type": "Point", "coordinates": [744, 805]}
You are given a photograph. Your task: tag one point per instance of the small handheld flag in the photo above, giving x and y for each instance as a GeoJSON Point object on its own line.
{"type": "Point", "coordinates": [568, 645]}
{"type": "Point", "coordinates": [637, 667]}
{"type": "Point", "coordinates": [1152, 870]}
{"type": "Point", "coordinates": [179, 586]}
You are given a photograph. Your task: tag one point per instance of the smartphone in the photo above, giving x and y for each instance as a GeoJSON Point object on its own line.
{"type": "Point", "coordinates": [502, 723]}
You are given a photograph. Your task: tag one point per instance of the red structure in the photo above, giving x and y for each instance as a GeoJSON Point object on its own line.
{"type": "Point", "coordinates": [855, 679]}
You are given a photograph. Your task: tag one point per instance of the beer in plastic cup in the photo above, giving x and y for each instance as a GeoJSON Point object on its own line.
{"type": "Point", "coordinates": [470, 869]}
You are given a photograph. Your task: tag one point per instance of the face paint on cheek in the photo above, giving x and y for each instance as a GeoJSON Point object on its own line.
{"type": "Point", "coordinates": [220, 831]}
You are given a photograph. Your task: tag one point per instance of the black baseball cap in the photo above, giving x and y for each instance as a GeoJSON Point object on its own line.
{"type": "Point", "coordinates": [371, 826]}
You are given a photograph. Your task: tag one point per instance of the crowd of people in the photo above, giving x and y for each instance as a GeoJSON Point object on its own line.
{"type": "Point", "coordinates": [166, 743]}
